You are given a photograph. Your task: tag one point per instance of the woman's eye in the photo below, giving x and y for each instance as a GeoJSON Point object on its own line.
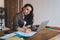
{"type": "Point", "coordinates": [27, 9]}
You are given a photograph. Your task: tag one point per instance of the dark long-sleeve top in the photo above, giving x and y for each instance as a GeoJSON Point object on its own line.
{"type": "Point", "coordinates": [18, 20]}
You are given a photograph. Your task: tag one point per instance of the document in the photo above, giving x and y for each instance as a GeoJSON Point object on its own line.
{"type": "Point", "coordinates": [7, 36]}
{"type": "Point", "coordinates": [25, 34]}
{"type": "Point", "coordinates": [19, 34]}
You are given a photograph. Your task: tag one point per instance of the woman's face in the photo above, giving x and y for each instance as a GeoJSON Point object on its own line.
{"type": "Point", "coordinates": [27, 10]}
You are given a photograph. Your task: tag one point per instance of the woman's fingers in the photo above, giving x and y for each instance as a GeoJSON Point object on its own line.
{"type": "Point", "coordinates": [28, 30]}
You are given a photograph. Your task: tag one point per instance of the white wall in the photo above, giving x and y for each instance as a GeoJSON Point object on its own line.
{"type": "Point", "coordinates": [1, 3]}
{"type": "Point", "coordinates": [46, 10]}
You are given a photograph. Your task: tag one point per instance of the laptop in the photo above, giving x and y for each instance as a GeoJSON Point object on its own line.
{"type": "Point", "coordinates": [22, 34]}
{"type": "Point", "coordinates": [42, 25]}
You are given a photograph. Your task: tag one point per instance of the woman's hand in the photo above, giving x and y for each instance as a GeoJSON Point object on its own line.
{"type": "Point", "coordinates": [20, 29]}
{"type": "Point", "coordinates": [24, 29]}
{"type": "Point", "coordinates": [28, 26]}
{"type": "Point", "coordinates": [27, 30]}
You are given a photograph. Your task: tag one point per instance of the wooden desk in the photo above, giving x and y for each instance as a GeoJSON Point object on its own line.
{"type": "Point", "coordinates": [3, 31]}
{"type": "Point", "coordinates": [43, 35]}
{"type": "Point", "coordinates": [57, 37]}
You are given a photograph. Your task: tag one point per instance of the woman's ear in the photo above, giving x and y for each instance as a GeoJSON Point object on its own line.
{"type": "Point", "coordinates": [23, 8]}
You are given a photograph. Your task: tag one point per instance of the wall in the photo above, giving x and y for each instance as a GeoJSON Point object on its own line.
{"type": "Point", "coordinates": [46, 10]}
{"type": "Point", "coordinates": [1, 3]}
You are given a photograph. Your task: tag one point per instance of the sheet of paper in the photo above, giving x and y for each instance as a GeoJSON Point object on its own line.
{"type": "Point", "coordinates": [58, 38]}
{"type": "Point", "coordinates": [7, 36]}
{"type": "Point", "coordinates": [18, 33]}
{"type": "Point", "coordinates": [26, 34]}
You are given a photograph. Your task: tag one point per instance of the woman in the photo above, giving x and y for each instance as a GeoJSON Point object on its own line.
{"type": "Point", "coordinates": [24, 19]}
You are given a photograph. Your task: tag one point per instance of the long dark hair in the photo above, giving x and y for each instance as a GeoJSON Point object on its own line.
{"type": "Point", "coordinates": [29, 17]}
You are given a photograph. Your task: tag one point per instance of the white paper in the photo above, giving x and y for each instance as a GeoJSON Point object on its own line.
{"type": "Point", "coordinates": [7, 36]}
{"type": "Point", "coordinates": [58, 38]}
{"type": "Point", "coordinates": [26, 34]}
{"type": "Point", "coordinates": [15, 33]}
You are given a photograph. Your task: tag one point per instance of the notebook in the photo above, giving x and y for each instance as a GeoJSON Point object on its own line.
{"type": "Point", "coordinates": [22, 34]}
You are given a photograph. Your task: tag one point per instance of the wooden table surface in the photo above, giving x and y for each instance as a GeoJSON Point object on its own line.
{"type": "Point", "coordinates": [3, 31]}
{"type": "Point", "coordinates": [43, 35]}
{"type": "Point", "coordinates": [57, 37]}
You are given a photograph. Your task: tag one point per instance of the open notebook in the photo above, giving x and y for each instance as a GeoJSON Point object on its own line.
{"type": "Point", "coordinates": [22, 34]}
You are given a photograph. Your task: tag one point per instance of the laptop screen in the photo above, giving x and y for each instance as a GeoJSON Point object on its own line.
{"type": "Point", "coordinates": [42, 25]}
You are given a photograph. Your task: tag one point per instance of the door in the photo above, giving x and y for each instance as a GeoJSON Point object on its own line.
{"type": "Point", "coordinates": [11, 8]}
